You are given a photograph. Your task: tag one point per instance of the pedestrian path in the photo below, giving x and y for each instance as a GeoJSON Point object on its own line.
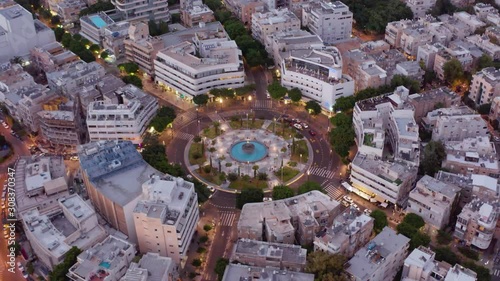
{"type": "Point", "coordinates": [215, 117]}
{"type": "Point", "coordinates": [227, 218]}
{"type": "Point", "coordinates": [184, 136]}
{"type": "Point", "coordinates": [322, 172]}
{"type": "Point", "coordinates": [333, 191]}
{"type": "Point", "coordinates": [184, 119]}
{"type": "Point", "coordinates": [266, 124]}
{"type": "Point", "coordinates": [496, 272]}
{"type": "Point", "coordinates": [263, 104]}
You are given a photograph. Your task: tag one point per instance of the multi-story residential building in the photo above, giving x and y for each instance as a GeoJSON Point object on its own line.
{"type": "Point", "coordinates": [457, 28]}
{"type": "Point", "coordinates": [35, 191]}
{"type": "Point", "coordinates": [266, 254]}
{"type": "Point", "coordinates": [485, 85]}
{"type": "Point", "coordinates": [410, 69]}
{"type": "Point", "coordinates": [456, 124]}
{"type": "Point", "coordinates": [113, 173]}
{"type": "Point", "coordinates": [268, 23]}
{"type": "Point", "coordinates": [460, 273]}
{"type": "Point", "coordinates": [52, 57]}
{"type": "Point", "coordinates": [374, 47]}
{"type": "Point", "coordinates": [142, 10]}
{"type": "Point", "coordinates": [331, 21]}
{"type": "Point", "coordinates": [412, 38]}
{"type": "Point", "coordinates": [106, 86]}
{"type": "Point", "coordinates": [447, 54]}
{"type": "Point", "coordinates": [430, 120]}
{"type": "Point", "coordinates": [166, 216]}
{"type": "Point", "coordinates": [483, 10]}
{"type": "Point", "coordinates": [195, 12]}
{"type": "Point", "coordinates": [433, 200]}
{"type": "Point", "coordinates": [495, 111]}
{"type": "Point", "coordinates": [493, 32]}
{"type": "Point", "coordinates": [380, 259]}
{"type": "Point", "coordinates": [318, 74]}
{"type": "Point", "coordinates": [151, 267]}
{"type": "Point", "coordinates": [280, 45]}
{"type": "Point", "coordinates": [420, 265]}
{"type": "Point", "coordinates": [475, 52]}
{"type": "Point", "coordinates": [245, 272]}
{"type": "Point", "coordinates": [123, 115]}
{"type": "Point", "coordinates": [427, 54]}
{"type": "Point", "coordinates": [12, 78]}
{"type": "Point", "coordinates": [370, 75]}
{"type": "Point", "coordinates": [142, 48]}
{"type": "Point", "coordinates": [420, 7]}
{"type": "Point", "coordinates": [346, 236]}
{"type": "Point", "coordinates": [19, 33]}
{"type": "Point", "coordinates": [52, 236]}
{"type": "Point", "coordinates": [289, 220]}
{"type": "Point", "coordinates": [74, 75]}
{"type": "Point", "coordinates": [107, 260]}
{"type": "Point", "coordinates": [427, 101]}
{"type": "Point", "coordinates": [472, 21]}
{"type": "Point", "coordinates": [29, 103]}
{"type": "Point", "coordinates": [61, 123]}
{"type": "Point", "coordinates": [244, 9]}
{"type": "Point", "coordinates": [477, 222]}
{"type": "Point", "coordinates": [472, 186]}
{"type": "Point", "coordinates": [413, 28]}
{"type": "Point", "coordinates": [92, 26]}
{"type": "Point", "coordinates": [69, 10]}
{"type": "Point", "coordinates": [472, 156]}
{"type": "Point", "coordinates": [388, 60]}
{"type": "Point", "coordinates": [211, 60]}
{"type": "Point", "coordinates": [113, 38]}
{"type": "Point", "coordinates": [484, 43]}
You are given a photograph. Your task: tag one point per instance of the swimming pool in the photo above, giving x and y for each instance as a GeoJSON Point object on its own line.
{"type": "Point", "coordinates": [105, 264]}
{"type": "Point", "coordinates": [98, 21]}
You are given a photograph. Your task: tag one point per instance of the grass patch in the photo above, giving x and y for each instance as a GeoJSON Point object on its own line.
{"type": "Point", "coordinates": [300, 148]}
{"type": "Point", "coordinates": [288, 173]}
{"type": "Point", "coordinates": [195, 155]}
{"type": "Point", "coordinates": [241, 183]}
{"type": "Point", "coordinates": [287, 133]}
{"type": "Point", "coordinates": [237, 124]}
{"type": "Point", "coordinates": [209, 133]}
{"type": "Point", "coordinates": [212, 176]}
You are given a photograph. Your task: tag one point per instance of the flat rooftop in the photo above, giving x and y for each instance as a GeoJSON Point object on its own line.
{"type": "Point", "coordinates": [151, 267]}
{"type": "Point", "coordinates": [369, 258]}
{"type": "Point", "coordinates": [394, 172]}
{"type": "Point", "coordinates": [75, 206]}
{"type": "Point", "coordinates": [238, 272]}
{"type": "Point", "coordinates": [286, 253]}
{"type": "Point", "coordinates": [174, 38]}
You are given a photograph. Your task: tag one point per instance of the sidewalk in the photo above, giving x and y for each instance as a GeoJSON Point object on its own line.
{"type": "Point", "coordinates": [167, 96]}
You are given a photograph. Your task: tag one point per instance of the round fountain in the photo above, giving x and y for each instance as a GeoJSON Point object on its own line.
{"type": "Point", "coordinates": [248, 151]}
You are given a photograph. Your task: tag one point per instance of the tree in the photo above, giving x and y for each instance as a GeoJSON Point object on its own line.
{"type": "Point", "coordinates": [134, 80]}
{"type": "Point", "coordinates": [129, 67]}
{"type": "Point", "coordinates": [443, 237]}
{"type": "Point", "coordinates": [276, 91]}
{"type": "Point", "coordinates": [86, 56]}
{"type": "Point", "coordinates": [484, 108]}
{"type": "Point", "coordinates": [282, 192]}
{"type": "Point", "coordinates": [249, 195]}
{"type": "Point", "coordinates": [309, 186]}
{"type": "Point", "coordinates": [255, 168]}
{"type": "Point", "coordinates": [97, 7]}
{"type": "Point", "coordinates": [216, 127]}
{"type": "Point", "coordinates": [196, 263]}
{"type": "Point", "coordinates": [220, 267]}
{"type": "Point", "coordinates": [447, 255]}
{"type": "Point", "coordinates": [66, 39]}
{"type": "Point", "coordinates": [104, 55]}
{"type": "Point", "coordinates": [30, 268]}
{"type": "Point", "coordinates": [433, 156]}
{"type": "Point", "coordinates": [207, 227]}
{"type": "Point", "coordinates": [401, 80]}
{"type": "Point", "coordinates": [344, 103]}
{"type": "Point", "coordinates": [484, 61]}
{"type": "Point", "coordinates": [59, 32]}
{"type": "Point", "coordinates": [176, 18]}
{"type": "Point", "coordinates": [419, 239]}
{"type": "Point", "coordinates": [163, 118]}
{"type": "Point", "coordinates": [55, 20]}
{"type": "Point", "coordinates": [443, 7]}
{"type": "Point", "coordinates": [453, 70]}
{"type": "Point", "coordinates": [341, 120]}
{"type": "Point", "coordinates": [414, 220]}
{"type": "Point", "coordinates": [295, 94]}
{"type": "Point", "coordinates": [380, 220]}
{"type": "Point", "coordinates": [94, 48]}
{"type": "Point", "coordinates": [213, 5]}
{"type": "Point", "coordinates": [200, 99]}
{"type": "Point", "coordinates": [313, 107]}
{"type": "Point", "coordinates": [325, 266]}
{"type": "Point", "coordinates": [59, 272]}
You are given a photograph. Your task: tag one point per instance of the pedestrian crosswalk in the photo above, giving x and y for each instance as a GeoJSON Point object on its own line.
{"type": "Point", "coordinates": [322, 172]}
{"type": "Point", "coordinates": [333, 192]}
{"type": "Point", "coordinates": [263, 104]}
{"type": "Point", "coordinates": [226, 218]}
{"type": "Point", "coordinates": [184, 119]}
{"type": "Point", "coordinates": [184, 136]}
{"type": "Point", "coordinates": [496, 272]}
{"type": "Point", "coordinates": [215, 117]}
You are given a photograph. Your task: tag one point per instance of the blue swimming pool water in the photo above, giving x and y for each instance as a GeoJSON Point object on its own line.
{"type": "Point", "coordinates": [238, 154]}
{"type": "Point", "coordinates": [105, 264]}
{"type": "Point", "coordinates": [98, 21]}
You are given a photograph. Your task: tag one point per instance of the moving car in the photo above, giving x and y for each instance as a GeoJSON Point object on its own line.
{"type": "Point", "coordinates": [297, 126]}
{"type": "Point", "coordinates": [5, 125]}
{"type": "Point", "coordinates": [312, 133]}
{"type": "Point", "coordinates": [305, 125]}
{"type": "Point", "coordinates": [367, 212]}
{"type": "Point", "coordinates": [211, 188]}
{"type": "Point", "coordinates": [267, 199]}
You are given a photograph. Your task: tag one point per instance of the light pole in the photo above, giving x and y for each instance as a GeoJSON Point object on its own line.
{"type": "Point", "coordinates": [198, 126]}
{"type": "Point", "coordinates": [300, 159]}
{"type": "Point", "coordinates": [274, 125]}
{"type": "Point", "coordinates": [248, 122]}
{"type": "Point", "coordinates": [308, 173]}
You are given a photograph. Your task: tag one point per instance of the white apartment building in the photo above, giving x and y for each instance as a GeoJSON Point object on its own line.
{"type": "Point", "coordinates": [420, 7]}
{"type": "Point", "coordinates": [268, 23]}
{"type": "Point", "coordinates": [69, 10]}
{"type": "Point", "coordinates": [451, 124]}
{"type": "Point", "coordinates": [107, 260]}
{"type": "Point", "coordinates": [279, 45]}
{"type": "Point", "coordinates": [142, 10]}
{"type": "Point", "coordinates": [331, 21]}
{"type": "Point", "coordinates": [51, 237]}
{"type": "Point", "coordinates": [485, 85]}
{"type": "Point", "coordinates": [245, 272]}
{"type": "Point", "coordinates": [413, 37]}
{"type": "Point", "coordinates": [13, 77]}
{"type": "Point", "coordinates": [211, 60]}
{"type": "Point", "coordinates": [484, 43]}
{"type": "Point", "coordinates": [166, 216]}
{"type": "Point", "coordinates": [427, 54]}
{"type": "Point", "coordinates": [347, 235]}
{"type": "Point", "coordinates": [472, 21]}
{"type": "Point", "coordinates": [476, 223]}
{"type": "Point", "coordinates": [394, 30]}
{"type": "Point", "coordinates": [71, 76]}
{"type": "Point", "coordinates": [51, 57]}
{"type": "Point", "coordinates": [318, 74]}
{"type": "Point", "coordinates": [460, 273]}
{"type": "Point", "coordinates": [92, 26]}
{"type": "Point", "coordinates": [151, 267]}
{"type": "Point", "coordinates": [113, 38]}
{"type": "Point", "coordinates": [19, 33]}
{"type": "Point", "coordinates": [380, 259]}
{"type": "Point", "coordinates": [472, 156]}
{"type": "Point", "coordinates": [433, 200]}
{"type": "Point", "coordinates": [123, 115]}
{"type": "Point", "coordinates": [295, 219]}
{"type": "Point", "coordinates": [142, 48]}
{"type": "Point", "coordinates": [195, 12]}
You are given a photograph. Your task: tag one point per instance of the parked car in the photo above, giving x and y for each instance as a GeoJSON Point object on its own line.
{"type": "Point", "coordinates": [25, 274]}
{"type": "Point", "coordinates": [73, 158]}
{"type": "Point", "coordinates": [20, 266]}
{"type": "Point", "coordinates": [297, 126]}
{"type": "Point", "coordinates": [312, 133]}
{"type": "Point", "coordinates": [5, 125]}
{"type": "Point", "coordinates": [268, 95]}
{"type": "Point", "coordinates": [367, 212]}
{"type": "Point", "coordinates": [347, 198]}
{"type": "Point", "coordinates": [267, 199]}
{"type": "Point", "coordinates": [305, 125]}
{"type": "Point", "coordinates": [211, 188]}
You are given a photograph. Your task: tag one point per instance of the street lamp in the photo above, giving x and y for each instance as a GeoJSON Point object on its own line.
{"type": "Point", "coordinates": [274, 125]}
{"type": "Point", "coordinates": [199, 121]}
{"type": "Point", "coordinates": [300, 159]}
{"type": "Point", "coordinates": [308, 173]}
{"type": "Point", "coordinates": [248, 122]}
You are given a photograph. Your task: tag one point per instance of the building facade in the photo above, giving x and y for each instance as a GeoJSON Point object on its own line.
{"type": "Point", "coordinates": [476, 223]}
{"type": "Point", "coordinates": [485, 85]}
{"type": "Point", "coordinates": [331, 21]}
{"type": "Point", "coordinates": [142, 10]}
{"type": "Point", "coordinates": [142, 48]}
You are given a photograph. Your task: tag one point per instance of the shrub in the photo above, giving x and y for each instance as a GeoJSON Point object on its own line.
{"type": "Point", "coordinates": [262, 176]}
{"type": "Point", "coordinates": [471, 254]}
{"type": "Point", "coordinates": [196, 263]}
{"type": "Point", "coordinates": [207, 169]}
{"type": "Point", "coordinates": [232, 176]}
{"type": "Point", "coordinates": [201, 250]}
{"type": "Point", "coordinates": [203, 239]}
{"type": "Point", "coordinates": [229, 164]}
{"type": "Point", "coordinates": [292, 164]}
{"type": "Point", "coordinates": [207, 227]}
{"type": "Point", "coordinates": [196, 155]}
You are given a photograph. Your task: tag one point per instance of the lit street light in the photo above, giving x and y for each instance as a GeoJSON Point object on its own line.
{"type": "Point", "coordinates": [308, 173]}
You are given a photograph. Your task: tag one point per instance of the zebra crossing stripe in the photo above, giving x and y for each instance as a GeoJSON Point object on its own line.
{"type": "Point", "coordinates": [227, 218]}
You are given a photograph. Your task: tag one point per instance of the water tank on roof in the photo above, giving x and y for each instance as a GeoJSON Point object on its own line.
{"type": "Point", "coordinates": [115, 34]}
{"type": "Point", "coordinates": [180, 181]}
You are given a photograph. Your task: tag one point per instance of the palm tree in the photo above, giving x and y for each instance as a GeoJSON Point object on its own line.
{"type": "Point", "coordinates": [255, 169]}
{"type": "Point", "coordinates": [216, 127]}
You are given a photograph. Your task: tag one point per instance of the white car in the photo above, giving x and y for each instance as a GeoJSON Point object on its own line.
{"type": "Point", "coordinates": [297, 126]}
{"type": "Point", "coordinates": [367, 212]}
{"type": "Point", "coordinates": [73, 158]}
{"type": "Point", "coordinates": [305, 125]}
{"type": "Point", "coordinates": [268, 199]}
{"type": "Point", "coordinates": [5, 125]}
{"type": "Point", "coordinates": [25, 274]}
{"type": "Point", "coordinates": [347, 198]}
{"type": "Point", "coordinates": [20, 265]}
{"type": "Point", "coordinates": [268, 95]}
{"type": "Point", "coordinates": [211, 188]}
